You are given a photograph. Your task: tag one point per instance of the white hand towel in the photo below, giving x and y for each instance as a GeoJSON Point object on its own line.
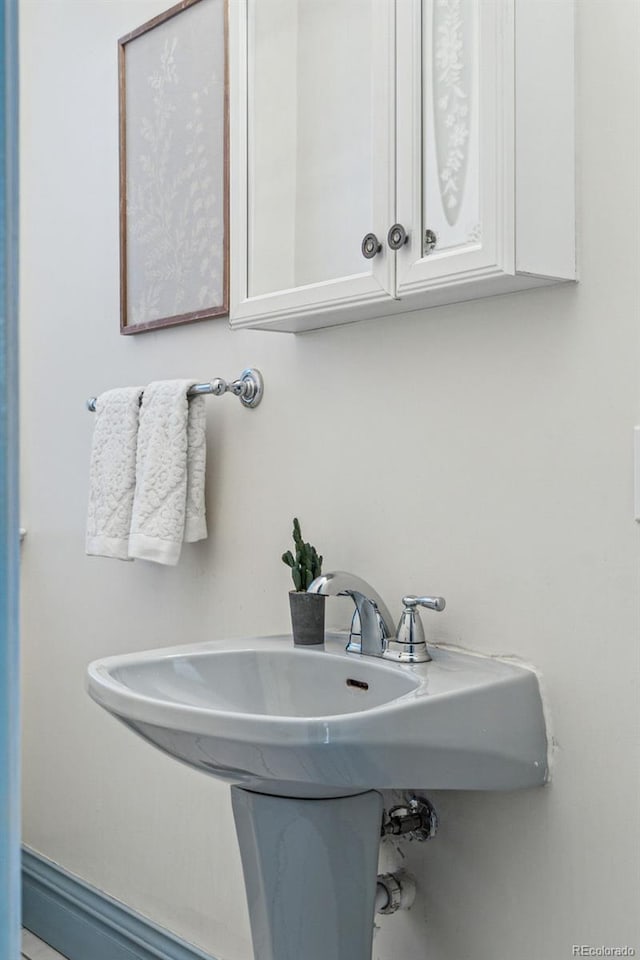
{"type": "Point", "coordinates": [112, 473]}
{"type": "Point", "coordinates": [169, 505]}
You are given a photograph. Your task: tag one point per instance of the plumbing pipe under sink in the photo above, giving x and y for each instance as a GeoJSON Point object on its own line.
{"type": "Point", "coordinates": [394, 891]}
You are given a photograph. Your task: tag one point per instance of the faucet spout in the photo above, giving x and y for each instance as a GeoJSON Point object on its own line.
{"type": "Point", "coordinates": [371, 623]}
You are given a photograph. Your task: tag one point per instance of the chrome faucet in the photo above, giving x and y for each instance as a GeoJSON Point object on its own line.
{"type": "Point", "coordinates": [371, 632]}
{"type": "Point", "coordinates": [371, 624]}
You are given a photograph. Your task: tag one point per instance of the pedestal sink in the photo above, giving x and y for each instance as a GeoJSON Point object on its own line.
{"type": "Point", "coordinates": [306, 736]}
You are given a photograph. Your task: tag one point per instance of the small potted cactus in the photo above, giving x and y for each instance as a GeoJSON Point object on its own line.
{"type": "Point", "coordinates": [307, 609]}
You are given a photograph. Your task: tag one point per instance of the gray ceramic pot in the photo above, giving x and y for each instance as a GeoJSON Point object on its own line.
{"type": "Point", "coordinates": [307, 617]}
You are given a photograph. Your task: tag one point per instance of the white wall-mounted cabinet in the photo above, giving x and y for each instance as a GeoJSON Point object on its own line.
{"type": "Point", "coordinates": [452, 118]}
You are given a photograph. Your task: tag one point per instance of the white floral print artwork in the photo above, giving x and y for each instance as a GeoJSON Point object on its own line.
{"type": "Point", "coordinates": [174, 168]}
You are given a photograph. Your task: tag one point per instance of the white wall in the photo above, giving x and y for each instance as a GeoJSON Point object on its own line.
{"type": "Point", "coordinates": [482, 451]}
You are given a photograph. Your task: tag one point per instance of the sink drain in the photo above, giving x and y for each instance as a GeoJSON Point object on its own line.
{"type": "Point", "coordinates": [358, 684]}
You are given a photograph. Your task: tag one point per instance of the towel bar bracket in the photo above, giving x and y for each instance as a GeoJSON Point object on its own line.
{"type": "Point", "coordinates": [249, 387]}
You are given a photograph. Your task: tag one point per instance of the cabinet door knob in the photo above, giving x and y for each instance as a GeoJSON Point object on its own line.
{"type": "Point", "coordinates": [370, 246]}
{"type": "Point", "coordinates": [430, 241]}
{"type": "Point", "coordinates": [397, 236]}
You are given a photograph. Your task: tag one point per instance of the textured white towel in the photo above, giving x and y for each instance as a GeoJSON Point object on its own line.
{"type": "Point", "coordinates": [112, 473]}
{"type": "Point", "coordinates": [168, 507]}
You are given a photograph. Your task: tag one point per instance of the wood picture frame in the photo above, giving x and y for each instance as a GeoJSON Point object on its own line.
{"type": "Point", "coordinates": [174, 168]}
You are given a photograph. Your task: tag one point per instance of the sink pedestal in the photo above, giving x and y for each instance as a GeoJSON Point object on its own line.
{"type": "Point", "coordinates": [310, 870]}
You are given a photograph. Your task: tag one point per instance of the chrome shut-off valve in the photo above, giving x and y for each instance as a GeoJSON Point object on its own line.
{"type": "Point", "coordinates": [409, 644]}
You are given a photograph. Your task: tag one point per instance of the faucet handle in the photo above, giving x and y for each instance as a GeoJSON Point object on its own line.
{"type": "Point", "coordinates": [433, 603]}
{"type": "Point", "coordinates": [409, 644]}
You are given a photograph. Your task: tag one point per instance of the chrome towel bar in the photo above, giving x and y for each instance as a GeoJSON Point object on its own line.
{"type": "Point", "coordinates": [249, 387]}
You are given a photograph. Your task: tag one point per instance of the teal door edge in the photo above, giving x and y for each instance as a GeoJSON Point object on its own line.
{"type": "Point", "coordinates": [9, 525]}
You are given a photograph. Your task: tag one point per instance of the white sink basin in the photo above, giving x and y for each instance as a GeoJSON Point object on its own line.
{"type": "Point", "coordinates": [314, 722]}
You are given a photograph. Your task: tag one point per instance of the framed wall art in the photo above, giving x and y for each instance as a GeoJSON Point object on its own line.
{"type": "Point", "coordinates": [174, 168]}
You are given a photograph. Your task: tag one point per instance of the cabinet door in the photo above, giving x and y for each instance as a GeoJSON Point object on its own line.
{"type": "Point", "coordinates": [455, 152]}
{"type": "Point", "coordinates": [313, 157]}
